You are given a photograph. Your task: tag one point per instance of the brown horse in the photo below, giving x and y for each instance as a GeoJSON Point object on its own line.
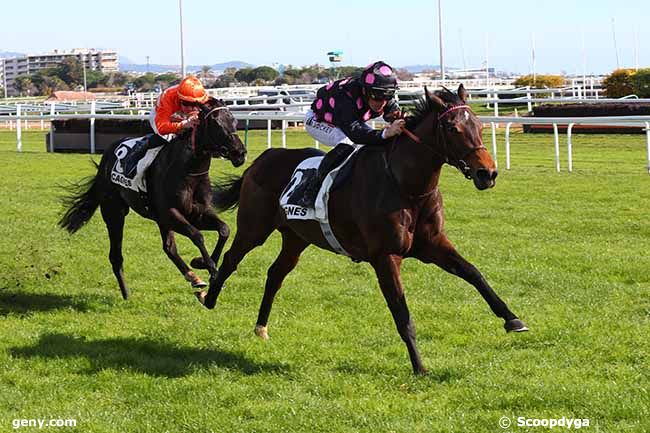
{"type": "Point", "coordinates": [397, 210]}
{"type": "Point", "coordinates": [178, 197]}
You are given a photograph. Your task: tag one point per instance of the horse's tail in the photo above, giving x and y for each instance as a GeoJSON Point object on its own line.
{"type": "Point", "coordinates": [82, 202]}
{"type": "Point", "coordinates": [225, 193]}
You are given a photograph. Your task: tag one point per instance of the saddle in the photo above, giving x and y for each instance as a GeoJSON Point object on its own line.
{"type": "Point", "coordinates": [131, 150]}
{"type": "Point", "coordinates": [300, 178]}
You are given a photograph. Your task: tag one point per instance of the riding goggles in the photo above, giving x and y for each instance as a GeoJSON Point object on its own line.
{"type": "Point", "coordinates": [381, 94]}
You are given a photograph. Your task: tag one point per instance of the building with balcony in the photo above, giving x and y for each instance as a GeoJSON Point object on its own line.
{"type": "Point", "coordinates": [96, 60]}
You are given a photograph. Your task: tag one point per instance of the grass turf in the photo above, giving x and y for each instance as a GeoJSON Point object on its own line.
{"type": "Point", "coordinates": [568, 253]}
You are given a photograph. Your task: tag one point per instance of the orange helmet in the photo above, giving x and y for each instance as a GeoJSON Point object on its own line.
{"type": "Point", "coordinates": [190, 89]}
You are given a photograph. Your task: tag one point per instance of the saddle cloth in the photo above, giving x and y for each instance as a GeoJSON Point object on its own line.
{"type": "Point", "coordinates": [296, 187]}
{"type": "Point", "coordinates": [137, 181]}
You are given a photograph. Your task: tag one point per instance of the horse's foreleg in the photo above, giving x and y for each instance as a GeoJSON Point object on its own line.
{"type": "Point", "coordinates": [292, 247]}
{"type": "Point", "coordinates": [387, 269]}
{"type": "Point", "coordinates": [169, 246]}
{"type": "Point", "coordinates": [231, 259]}
{"type": "Point", "coordinates": [443, 254]}
{"type": "Point", "coordinates": [113, 213]}
{"type": "Point", "coordinates": [210, 221]}
{"type": "Point", "coordinates": [181, 225]}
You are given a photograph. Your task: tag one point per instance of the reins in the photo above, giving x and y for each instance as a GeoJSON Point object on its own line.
{"type": "Point", "coordinates": [193, 139]}
{"type": "Point", "coordinates": [459, 163]}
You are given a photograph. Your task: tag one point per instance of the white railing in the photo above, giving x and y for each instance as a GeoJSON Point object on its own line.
{"type": "Point", "coordinates": [286, 117]}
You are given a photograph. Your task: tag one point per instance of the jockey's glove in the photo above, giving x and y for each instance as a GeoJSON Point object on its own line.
{"type": "Point", "coordinates": [394, 129]}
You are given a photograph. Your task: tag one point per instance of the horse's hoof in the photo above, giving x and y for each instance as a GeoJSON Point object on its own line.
{"type": "Point", "coordinates": [194, 279]}
{"type": "Point", "coordinates": [199, 284]}
{"type": "Point", "coordinates": [198, 263]}
{"type": "Point", "coordinates": [262, 332]}
{"type": "Point", "coordinates": [200, 295]}
{"type": "Point", "coordinates": [421, 371]}
{"type": "Point", "coordinates": [515, 325]}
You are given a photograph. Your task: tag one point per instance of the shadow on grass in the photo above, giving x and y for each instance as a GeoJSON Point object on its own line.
{"type": "Point", "coordinates": [441, 375]}
{"type": "Point", "coordinates": [150, 357]}
{"type": "Point", "coordinates": [25, 303]}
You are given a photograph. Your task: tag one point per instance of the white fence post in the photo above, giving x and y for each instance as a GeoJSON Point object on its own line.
{"type": "Point", "coordinates": [508, 145]}
{"type": "Point", "coordinates": [284, 133]}
{"type": "Point", "coordinates": [494, 143]}
{"type": "Point", "coordinates": [268, 133]}
{"type": "Point", "coordinates": [52, 127]}
{"type": "Point", "coordinates": [92, 127]}
{"type": "Point", "coordinates": [569, 146]}
{"type": "Point", "coordinates": [647, 135]}
{"type": "Point", "coordinates": [557, 147]}
{"type": "Point", "coordinates": [19, 132]}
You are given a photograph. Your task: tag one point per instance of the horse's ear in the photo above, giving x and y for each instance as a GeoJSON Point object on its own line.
{"type": "Point", "coordinates": [434, 98]}
{"type": "Point", "coordinates": [462, 93]}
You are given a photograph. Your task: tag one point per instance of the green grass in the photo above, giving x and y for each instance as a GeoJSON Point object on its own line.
{"type": "Point", "coordinates": [567, 251]}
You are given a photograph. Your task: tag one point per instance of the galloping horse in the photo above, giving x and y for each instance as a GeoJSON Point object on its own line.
{"type": "Point", "coordinates": [178, 190]}
{"type": "Point", "coordinates": [397, 210]}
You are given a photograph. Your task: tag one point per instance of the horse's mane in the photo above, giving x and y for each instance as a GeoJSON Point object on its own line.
{"type": "Point", "coordinates": [425, 106]}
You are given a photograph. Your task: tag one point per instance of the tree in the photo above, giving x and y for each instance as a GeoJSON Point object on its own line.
{"type": "Point", "coordinates": [230, 71]}
{"type": "Point", "coordinates": [95, 79]}
{"type": "Point", "coordinates": [618, 83]}
{"type": "Point", "coordinates": [145, 82]}
{"type": "Point", "coordinates": [167, 79]}
{"type": "Point", "coordinates": [116, 79]}
{"type": "Point", "coordinates": [540, 81]}
{"type": "Point", "coordinates": [641, 83]}
{"type": "Point", "coordinates": [71, 71]}
{"type": "Point", "coordinates": [205, 71]}
{"type": "Point", "coordinates": [245, 75]}
{"type": "Point", "coordinates": [264, 73]}
{"type": "Point", "coordinates": [23, 84]}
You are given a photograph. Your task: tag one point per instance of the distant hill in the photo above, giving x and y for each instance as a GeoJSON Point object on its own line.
{"type": "Point", "coordinates": [126, 65]}
{"type": "Point", "coordinates": [8, 54]}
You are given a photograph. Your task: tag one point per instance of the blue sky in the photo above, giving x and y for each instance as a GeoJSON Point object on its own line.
{"type": "Point", "coordinates": [301, 32]}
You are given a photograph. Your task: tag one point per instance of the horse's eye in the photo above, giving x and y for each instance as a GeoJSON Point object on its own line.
{"type": "Point", "coordinates": [453, 129]}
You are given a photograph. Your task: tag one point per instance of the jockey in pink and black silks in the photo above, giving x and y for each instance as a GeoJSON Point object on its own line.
{"type": "Point", "coordinates": [339, 114]}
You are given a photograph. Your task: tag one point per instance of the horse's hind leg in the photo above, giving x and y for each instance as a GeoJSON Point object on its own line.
{"type": "Point", "coordinates": [442, 253]}
{"type": "Point", "coordinates": [169, 246]}
{"type": "Point", "coordinates": [292, 247]}
{"type": "Point", "coordinates": [113, 212]}
{"type": "Point", "coordinates": [210, 221]}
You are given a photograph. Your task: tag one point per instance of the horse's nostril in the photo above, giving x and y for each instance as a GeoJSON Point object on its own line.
{"type": "Point", "coordinates": [495, 173]}
{"type": "Point", "coordinates": [482, 174]}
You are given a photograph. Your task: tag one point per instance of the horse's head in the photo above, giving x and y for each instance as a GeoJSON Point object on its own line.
{"type": "Point", "coordinates": [218, 132]}
{"type": "Point", "coordinates": [454, 133]}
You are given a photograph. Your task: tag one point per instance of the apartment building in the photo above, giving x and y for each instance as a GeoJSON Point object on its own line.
{"type": "Point", "coordinates": [99, 60]}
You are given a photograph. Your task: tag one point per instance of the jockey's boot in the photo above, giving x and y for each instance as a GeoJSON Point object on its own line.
{"type": "Point", "coordinates": [331, 160]}
{"type": "Point", "coordinates": [130, 161]}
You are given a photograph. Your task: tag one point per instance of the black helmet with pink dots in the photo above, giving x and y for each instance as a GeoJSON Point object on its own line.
{"type": "Point", "coordinates": [379, 81]}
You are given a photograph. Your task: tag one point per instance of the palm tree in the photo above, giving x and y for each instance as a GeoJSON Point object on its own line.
{"type": "Point", "coordinates": [205, 71]}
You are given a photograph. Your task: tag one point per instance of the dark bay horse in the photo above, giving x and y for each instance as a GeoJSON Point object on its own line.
{"type": "Point", "coordinates": [397, 210]}
{"type": "Point", "coordinates": [178, 189]}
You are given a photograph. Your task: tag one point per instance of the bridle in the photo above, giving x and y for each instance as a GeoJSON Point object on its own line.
{"type": "Point", "coordinates": [448, 157]}
{"type": "Point", "coordinates": [221, 149]}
